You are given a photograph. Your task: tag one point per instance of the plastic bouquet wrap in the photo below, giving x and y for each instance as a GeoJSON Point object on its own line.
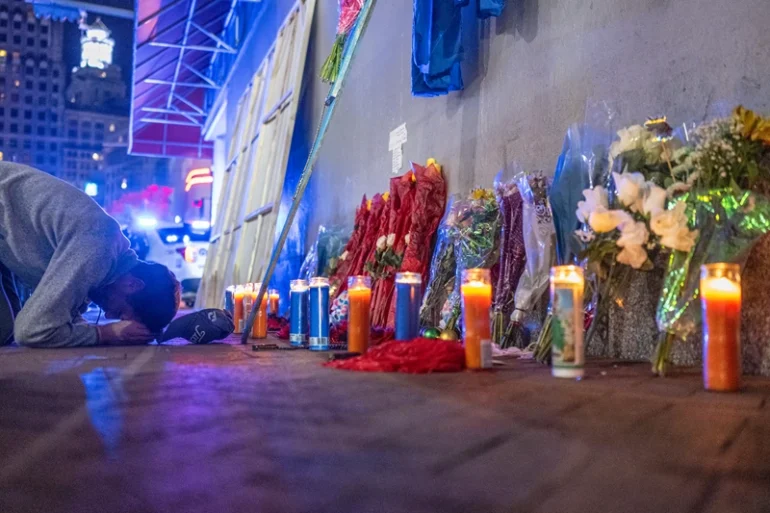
{"type": "Point", "coordinates": [512, 252]}
{"type": "Point", "coordinates": [377, 207]}
{"type": "Point", "coordinates": [349, 10]}
{"type": "Point", "coordinates": [475, 233]}
{"type": "Point", "coordinates": [429, 204]}
{"type": "Point", "coordinates": [339, 279]}
{"type": "Point", "coordinates": [323, 257]}
{"type": "Point", "coordinates": [539, 245]}
{"type": "Point", "coordinates": [726, 176]}
{"type": "Point", "coordinates": [443, 266]}
{"type": "Point", "coordinates": [391, 246]}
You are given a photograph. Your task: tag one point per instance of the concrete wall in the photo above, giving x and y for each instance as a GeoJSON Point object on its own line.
{"type": "Point", "coordinates": [528, 75]}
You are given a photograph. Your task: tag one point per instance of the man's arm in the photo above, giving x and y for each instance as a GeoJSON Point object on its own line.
{"type": "Point", "coordinates": [46, 318]}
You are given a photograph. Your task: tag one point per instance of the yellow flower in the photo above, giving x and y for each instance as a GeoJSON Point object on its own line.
{"type": "Point", "coordinates": [482, 194]}
{"type": "Point", "coordinates": [754, 127]}
{"type": "Point", "coordinates": [386, 196]}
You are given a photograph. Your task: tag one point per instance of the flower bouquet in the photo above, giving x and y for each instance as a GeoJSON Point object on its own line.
{"type": "Point", "coordinates": [349, 10]}
{"type": "Point", "coordinates": [726, 176]}
{"type": "Point", "coordinates": [475, 233]}
{"type": "Point", "coordinates": [345, 262]}
{"type": "Point", "coordinates": [512, 254]}
{"type": "Point", "coordinates": [443, 265]}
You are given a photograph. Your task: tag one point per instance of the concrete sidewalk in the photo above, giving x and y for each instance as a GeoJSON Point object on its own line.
{"type": "Point", "coordinates": [221, 428]}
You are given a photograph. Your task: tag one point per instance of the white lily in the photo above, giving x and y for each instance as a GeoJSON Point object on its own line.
{"type": "Point", "coordinates": [630, 188]}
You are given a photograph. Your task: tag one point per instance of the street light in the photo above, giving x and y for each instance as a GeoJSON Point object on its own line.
{"type": "Point", "coordinates": [91, 189]}
{"type": "Point", "coordinates": [124, 184]}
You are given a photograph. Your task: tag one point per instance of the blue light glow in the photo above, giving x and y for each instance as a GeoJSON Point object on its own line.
{"type": "Point", "coordinates": [146, 221]}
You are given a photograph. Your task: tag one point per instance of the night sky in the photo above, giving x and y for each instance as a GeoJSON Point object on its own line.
{"type": "Point", "coordinates": [122, 33]}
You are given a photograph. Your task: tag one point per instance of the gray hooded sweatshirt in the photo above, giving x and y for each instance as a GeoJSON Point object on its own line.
{"type": "Point", "coordinates": [60, 242]}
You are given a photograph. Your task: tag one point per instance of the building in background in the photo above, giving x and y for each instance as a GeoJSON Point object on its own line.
{"type": "Point", "coordinates": [75, 129]}
{"type": "Point", "coordinates": [32, 75]}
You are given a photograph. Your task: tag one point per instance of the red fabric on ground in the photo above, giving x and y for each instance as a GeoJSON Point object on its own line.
{"type": "Point", "coordinates": [420, 356]}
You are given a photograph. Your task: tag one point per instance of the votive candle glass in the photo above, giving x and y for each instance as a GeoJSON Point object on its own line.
{"type": "Point", "coordinates": [408, 298]}
{"type": "Point", "coordinates": [319, 314]}
{"type": "Point", "coordinates": [359, 308]}
{"type": "Point", "coordinates": [298, 292]}
{"type": "Point", "coordinates": [567, 351]}
{"type": "Point", "coordinates": [720, 293]}
{"type": "Point", "coordinates": [476, 292]}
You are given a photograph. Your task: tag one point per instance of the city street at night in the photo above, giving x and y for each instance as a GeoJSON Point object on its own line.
{"type": "Point", "coordinates": [223, 428]}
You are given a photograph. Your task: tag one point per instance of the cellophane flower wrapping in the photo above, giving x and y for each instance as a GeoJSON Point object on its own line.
{"type": "Point", "coordinates": [531, 298]}
{"type": "Point", "coordinates": [429, 205]}
{"type": "Point", "coordinates": [441, 280]}
{"type": "Point", "coordinates": [512, 252]}
{"type": "Point", "coordinates": [323, 257]}
{"type": "Point", "coordinates": [349, 10]}
{"type": "Point", "coordinates": [475, 233]}
{"type": "Point", "coordinates": [730, 222]}
{"type": "Point", "coordinates": [388, 256]}
{"type": "Point", "coordinates": [345, 268]}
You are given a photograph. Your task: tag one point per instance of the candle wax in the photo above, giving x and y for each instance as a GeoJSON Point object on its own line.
{"type": "Point", "coordinates": [259, 328]}
{"type": "Point", "coordinates": [721, 302]}
{"type": "Point", "coordinates": [477, 302]}
{"type": "Point", "coordinates": [238, 313]}
{"type": "Point", "coordinates": [407, 310]}
{"type": "Point", "coordinates": [359, 304]}
{"type": "Point", "coordinates": [274, 301]}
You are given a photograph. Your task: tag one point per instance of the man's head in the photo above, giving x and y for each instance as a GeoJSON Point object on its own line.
{"type": "Point", "coordinates": [149, 294]}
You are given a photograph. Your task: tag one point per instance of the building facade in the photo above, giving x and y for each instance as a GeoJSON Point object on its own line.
{"type": "Point", "coordinates": [32, 80]}
{"type": "Point", "coordinates": [72, 125]}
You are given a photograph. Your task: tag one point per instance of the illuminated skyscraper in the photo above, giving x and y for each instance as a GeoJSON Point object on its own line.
{"type": "Point", "coordinates": [96, 45]}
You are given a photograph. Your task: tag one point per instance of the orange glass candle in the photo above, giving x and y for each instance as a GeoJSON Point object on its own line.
{"type": "Point", "coordinates": [238, 309]}
{"type": "Point", "coordinates": [720, 292]}
{"type": "Point", "coordinates": [259, 328]}
{"type": "Point", "coordinates": [477, 303]}
{"type": "Point", "coordinates": [275, 299]}
{"type": "Point", "coordinates": [359, 303]}
{"type": "Point", "coordinates": [567, 351]}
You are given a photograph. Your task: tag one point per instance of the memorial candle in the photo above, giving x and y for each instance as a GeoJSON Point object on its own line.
{"type": "Point", "coordinates": [359, 303]}
{"type": "Point", "coordinates": [275, 299]}
{"type": "Point", "coordinates": [567, 352]}
{"type": "Point", "coordinates": [408, 298]}
{"type": "Point", "coordinates": [720, 292]}
{"type": "Point", "coordinates": [319, 314]}
{"type": "Point", "coordinates": [298, 321]}
{"type": "Point", "coordinates": [230, 300]}
{"type": "Point", "coordinates": [259, 328]}
{"type": "Point", "coordinates": [477, 301]}
{"type": "Point", "coordinates": [238, 308]}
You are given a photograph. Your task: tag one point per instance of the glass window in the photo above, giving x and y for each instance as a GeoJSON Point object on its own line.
{"type": "Point", "coordinates": [2, 81]}
{"type": "Point", "coordinates": [3, 37]}
{"type": "Point", "coordinates": [44, 29]}
{"type": "Point", "coordinates": [30, 41]}
{"type": "Point", "coordinates": [29, 84]}
{"type": "Point", "coordinates": [41, 116]}
{"type": "Point", "coordinates": [41, 130]}
{"type": "Point", "coordinates": [53, 146]}
{"type": "Point", "coordinates": [2, 111]}
{"type": "Point", "coordinates": [43, 43]}
{"type": "Point", "coordinates": [55, 73]}
{"type": "Point", "coordinates": [54, 102]}
{"type": "Point", "coordinates": [86, 125]}
{"type": "Point", "coordinates": [17, 40]}
{"type": "Point", "coordinates": [54, 132]}
{"type": "Point", "coordinates": [2, 126]}
{"type": "Point", "coordinates": [55, 88]}
{"type": "Point", "coordinates": [27, 114]}
{"type": "Point", "coordinates": [28, 100]}
{"type": "Point", "coordinates": [40, 146]}
{"type": "Point", "coordinates": [42, 87]}
{"type": "Point", "coordinates": [29, 71]}
{"type": "Point", "coordinates": [72, 134]}
{"type": "Point", "coordinates": [14, 113]}
{"type": "Point", "coordinates": [54, 117]}
{"type": "Point", "coordinates": [72, 123]}
{"type": "Point", "coordinates": [27, 144]}
{"type": "Point", "coordinates": [15, 97]}
{"type": "Point", "coordinates": [14, 143]}
{"type": "Point", "coordinates": [39, 160]}
{"type": "Point", "coordinates": [14, 128]}
{"type": "Point", "coordinates": [86, 135]}
{"type": "Point", "coordinates": [52, 161]}
{"type": "Point", "coordinates": [27, 129]}
{"type": "Point", "coordinates": [99, 127]}
{"type": "Point", "coordinates": [30, 27]}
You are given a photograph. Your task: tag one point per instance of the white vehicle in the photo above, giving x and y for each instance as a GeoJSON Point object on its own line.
{"type": "Point", "coordinates": [177, 246]}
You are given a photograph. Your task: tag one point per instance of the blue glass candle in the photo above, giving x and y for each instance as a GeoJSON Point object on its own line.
{"type": "Point", "coordinates": [319, 314]}
{"type": "Point", "coordinates": [230, 299]}
{"type": "Point", "coordinates": [408, 298]}
{"type": "Point", "coordinates": [298, 320]}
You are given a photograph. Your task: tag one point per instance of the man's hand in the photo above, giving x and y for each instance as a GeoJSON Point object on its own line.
{"type": "Point", "coordinates": [124, 333]}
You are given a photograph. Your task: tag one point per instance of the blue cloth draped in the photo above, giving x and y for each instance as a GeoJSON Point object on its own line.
{"type": "Point", "coordinates": [437, 47]}
{"type": "Point", "coordinates": [437, 43]}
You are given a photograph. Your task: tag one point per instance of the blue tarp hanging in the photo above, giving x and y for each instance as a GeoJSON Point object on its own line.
{"type": "Point", "coordinates": [437, 43]}
{"type": "Point", "coordinates": [436, 47]}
